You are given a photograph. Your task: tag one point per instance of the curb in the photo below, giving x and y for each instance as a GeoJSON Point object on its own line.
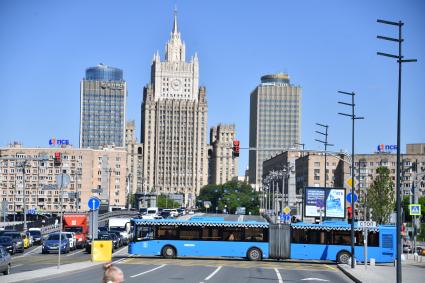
{"type": "Point", "coordinates": [348, 274]}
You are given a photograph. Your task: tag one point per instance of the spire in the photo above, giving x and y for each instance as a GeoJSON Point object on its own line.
{"type": "Point", "coordinates": [175, 29]}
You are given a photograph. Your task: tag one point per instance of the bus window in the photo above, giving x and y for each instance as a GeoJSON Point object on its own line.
{"type": "Point", "coordinates": [166, 233]}
{"type": "Point", "coordinates": [210, 234]}
{"type": "Point", "coordinates": [232, 234]}
{"type": "Point", "coordinates": [254, 235]}
{"type": "Point", "coordinates": [189, 233]}
{"type": "Point", "coordinates": [143, 233]}
{"type": "Point", "coordinates": [341, 238]}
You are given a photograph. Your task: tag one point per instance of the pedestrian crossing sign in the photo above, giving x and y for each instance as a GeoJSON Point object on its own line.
{"type": "Point", "coordinates": [415, 209]}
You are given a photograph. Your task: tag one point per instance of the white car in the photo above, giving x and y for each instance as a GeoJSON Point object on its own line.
{"type": "Point", "coordinates": [72, 240]}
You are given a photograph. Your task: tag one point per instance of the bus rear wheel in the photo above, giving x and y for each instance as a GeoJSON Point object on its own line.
{"type": "Point", "coordinates": [169, 252]}
{"type": "Point", "coordinates": [343, 257]}
{"type": "Point", "coordinates": [254, 254]}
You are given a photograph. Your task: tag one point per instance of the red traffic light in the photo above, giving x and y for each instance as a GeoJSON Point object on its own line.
{"type": "Point", "coordinates": [235, 152]}
{"type": "Point", "coordinates": [57, 158]}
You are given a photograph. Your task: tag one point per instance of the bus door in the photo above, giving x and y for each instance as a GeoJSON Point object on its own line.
{"type": "Point", "coordinates": [387, 243]}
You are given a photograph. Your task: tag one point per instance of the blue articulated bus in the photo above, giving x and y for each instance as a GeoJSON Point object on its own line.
{"type": "Point", "coordinates": [332, 241]}
{"type": "Point", "coordinates": [209, 237]}
{"type": "Point", "coordinates": [214, 237]}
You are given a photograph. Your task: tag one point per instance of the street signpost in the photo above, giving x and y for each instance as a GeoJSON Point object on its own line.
{"type": "Point", "coordinates": [365, 225]}
{"type": "Point", "coordinates": [93, 203]}
{"type": "Point", "coordinates": [62, 180]}
{"type": "Point", "coordinates": [349, 197]}
{"type": "Point", "coordinates": [415, 209]}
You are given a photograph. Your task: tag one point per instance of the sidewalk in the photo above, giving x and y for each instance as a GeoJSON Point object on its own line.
{"type": "Point", "coordinates": [49, 271]}
{"type": "Point", "coordinates": [412, 271]}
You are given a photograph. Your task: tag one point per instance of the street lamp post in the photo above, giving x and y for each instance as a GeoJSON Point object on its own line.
{"type": "Point", "coordinates": [326, 144]}
{"type": "Point", "coordinates": [353, 118]}
{"type": "Point", "coordinates": [400, 60]}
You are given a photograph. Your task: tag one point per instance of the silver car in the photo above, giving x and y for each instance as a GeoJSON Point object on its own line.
{"type": "Point", "coordinates": [5, 261]}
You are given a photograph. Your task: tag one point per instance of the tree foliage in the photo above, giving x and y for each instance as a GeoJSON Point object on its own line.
{"type": "Point", "coordinates": [229, 196]}
{"type": "Point", "coordinates": [166, 202]}
{"type": "Point", "coordinates": [380, 196]}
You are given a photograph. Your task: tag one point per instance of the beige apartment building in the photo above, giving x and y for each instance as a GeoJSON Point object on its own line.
{"type": "Point", "coordinates": [88, 169]}
{"type": "Point", "coordinates": [222, 166]}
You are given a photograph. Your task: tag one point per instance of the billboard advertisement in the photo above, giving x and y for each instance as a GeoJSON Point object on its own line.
{"type": "Point", "coordinates": [330, 202]}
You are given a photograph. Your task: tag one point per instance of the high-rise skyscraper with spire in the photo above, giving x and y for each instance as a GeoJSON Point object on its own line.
{"type": "Point", "coordinates": [174, 124]}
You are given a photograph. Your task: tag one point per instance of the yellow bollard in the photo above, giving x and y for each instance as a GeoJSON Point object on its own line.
{"type": "Point", "coordinates": [101, 250]}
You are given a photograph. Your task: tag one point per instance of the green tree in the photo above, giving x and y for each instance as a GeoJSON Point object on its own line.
{"type": "Point", "coordinates": [405, 204]}
{"type": "Point", "coordinates": [132, 200]}
{"type": "Point", "coordinates": [380, 196]}
{"type": "Point", "coordinates": [229, 196]}
{"type": "Point", "coordinates": [421, 201]}
{"type": "Point", "coordinates": [166, 202]}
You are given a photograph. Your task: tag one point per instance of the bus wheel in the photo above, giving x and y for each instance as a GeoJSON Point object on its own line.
{"type": "Point", "coordinates": [168, 252]}
{"type": "Point", "coordinates": [343, 257]}
{"type": "Point", "coordinates": [254, 254]}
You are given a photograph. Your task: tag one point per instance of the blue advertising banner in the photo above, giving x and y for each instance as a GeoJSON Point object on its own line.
{"type": "Point", "coordinates": [335, 203]}
{"type": "Point", "coordinates": [330, 202]}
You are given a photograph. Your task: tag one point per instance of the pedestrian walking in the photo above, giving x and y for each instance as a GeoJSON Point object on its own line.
{"type": "Point", "coordinates": [112, 274]}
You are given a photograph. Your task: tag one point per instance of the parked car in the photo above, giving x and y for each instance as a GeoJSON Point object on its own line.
{"type": "Point", "coordinates": [120, 238]}
{"type": "Point", "coordinates": [166, 214]}
{"type": "Point", "coordinates": [36, 235]}
{"type": "Point", "coordinates": [420, 251]}
{"type": "Point", "coordinates": [52, 244]}
{"type": "Point", "coordinates": [8, 244]}
{"type": "Point", "coordinates": [115, 240]}
{"type": "Point", "coordinates": [17, 239]}
{"type": "Point", "coordinates": [5, 261]}
{"type": "Point", "coordinates": [72, 240]}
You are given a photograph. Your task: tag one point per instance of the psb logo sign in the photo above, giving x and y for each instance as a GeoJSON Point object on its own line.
{"type": "Point", "coordinates": [386, 147]}
{"type": "Point", "coordinates": [54, 141]}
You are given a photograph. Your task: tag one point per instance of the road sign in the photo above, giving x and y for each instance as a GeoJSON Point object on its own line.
{"type": "Point", "coordinates": [349, 197]}
{"type": "Point", "coordinates": [286, 210]}
{"type": "Point", "coordinates": [367, 224]}
{"type": "Point", "coordinates": [350, 182]}
{"type": "Point", "coordinates": [63, 180]}
{"type": "Point", "coordinates": [94, 203]}
{"type": "Point", "coordinates": [415, 209]}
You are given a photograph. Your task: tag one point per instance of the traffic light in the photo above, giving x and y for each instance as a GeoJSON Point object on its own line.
{"type": "Point", "coordinates": [350, 214]}
{"type": "Point", "coordinates": [57, 159]}
{"type": "Point", "coordinates": [235, 151]}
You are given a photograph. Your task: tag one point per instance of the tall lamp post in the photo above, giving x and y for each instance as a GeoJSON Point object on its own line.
{"type": "Point", "coordinates": [400, 60]}
{"type": "Point", "coordinates": [353, 119]}
{"type": "Point", "coordinates": [326, 144]}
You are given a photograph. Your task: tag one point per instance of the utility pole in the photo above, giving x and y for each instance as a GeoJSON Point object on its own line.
{"type": "Point", "coordinates": [353, 119]}
{"type": "Point", "coordinates": [400, 60]}
{"type": "Point", "coordinates": [325, 142]}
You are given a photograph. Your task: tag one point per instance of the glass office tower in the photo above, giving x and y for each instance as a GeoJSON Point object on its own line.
{"type": "Point", "coordinates": [103, 97]}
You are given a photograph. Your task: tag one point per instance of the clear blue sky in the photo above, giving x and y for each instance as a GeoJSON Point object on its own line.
{"type": "Point", "coordinates": [325, 46]}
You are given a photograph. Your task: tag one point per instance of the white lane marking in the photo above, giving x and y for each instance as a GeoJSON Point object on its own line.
{"type": "Point", "coordinates": [153, 269]}
{"type": "Point", "coordinates": [74, 253]}
{"type": "Point", "coordinates": [279, 277]}
{"type": "Point", "coordinates": [32, 251]}
{"type": "Point", "coordinates": [213, 273]}
{"type": "Point", "coordinates": [314, 279]}
{"type": "Point", "coordinates": [28, 253]}
{"type": "Point", "coordinates": [16, 265]}
{"type": "Point", "coordinates": [123, 248]}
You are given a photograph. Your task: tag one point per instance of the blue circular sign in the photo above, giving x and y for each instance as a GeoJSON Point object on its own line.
{"type": "Point", "coordinates": [94, 203]}
{"type": "Point", "coordinates": [349, 197]}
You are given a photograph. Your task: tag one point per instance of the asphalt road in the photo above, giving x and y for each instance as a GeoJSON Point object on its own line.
{"type": "Point", "coordinates": [208, 271]}
{"type": "Point", "coordinates": [33, 259]}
